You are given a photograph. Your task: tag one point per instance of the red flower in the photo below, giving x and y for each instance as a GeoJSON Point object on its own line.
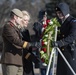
{"type": "Point", "coordinates": [44, 49]}
{"type": "Point", "coordinates": [47, 21]}
{"type": "Point", "coordinates": [43, 43]}
{"type": "Point", "coordinates": [45, 25]}
{"type": "Point", "coordinates": [43, 60]}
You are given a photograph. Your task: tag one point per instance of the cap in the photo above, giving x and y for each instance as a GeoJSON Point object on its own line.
{"type": "Point", "coordinates": [17, 12]}
{"type": "Point", "coordinates": [63, 7]}
{"type": "Point", "coordinates": [41, 14]}
{"type": "Point", "coordinates": [57, 9]}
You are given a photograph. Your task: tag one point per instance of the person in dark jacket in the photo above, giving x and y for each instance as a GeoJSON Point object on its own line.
{"type": "Point", "coordinates": [39, 28]}
{"type": "Point", "coordinates": [27, 60]}
{"type": "Point", "coordinates": [66, 40]}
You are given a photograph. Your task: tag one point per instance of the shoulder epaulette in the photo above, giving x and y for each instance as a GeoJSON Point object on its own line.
{"type": "Point", "coordinates": [74, 20]}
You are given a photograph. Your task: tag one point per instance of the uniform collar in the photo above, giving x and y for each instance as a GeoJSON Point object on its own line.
{"type": "Point", "coordinates": [65, 18]}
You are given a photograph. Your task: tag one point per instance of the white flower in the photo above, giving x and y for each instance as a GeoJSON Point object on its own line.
{"type": "Point", "coordinates": [46, 35]}
{"type": "Point", "coordinates": [42, 52]}
{"type": "Point", "coordinates": [51, 22]}
{"type": "Point", "coordinates": [43, 29]}
{"type": "Point", "coordinates": [44, 64]}
{"type": "Point", "coordinates": [45, 43]}
{"type": "Point", "coordinates": [44, 56]}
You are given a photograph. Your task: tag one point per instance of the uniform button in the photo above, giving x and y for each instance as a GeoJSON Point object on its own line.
{"type": "Point", "coordinates": [62, 49]}
{"type": "Point", "coordinates": [62, 35]}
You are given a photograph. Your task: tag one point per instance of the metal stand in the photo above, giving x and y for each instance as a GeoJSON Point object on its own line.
{"type": "Point", "coordinates": [53, 56]}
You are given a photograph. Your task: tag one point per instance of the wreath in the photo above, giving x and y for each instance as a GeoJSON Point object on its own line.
{"type": "Point", "coordinates": [47, 37]}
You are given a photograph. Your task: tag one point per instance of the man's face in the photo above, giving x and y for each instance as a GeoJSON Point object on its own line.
{"type": "Point", "coordinates": [25, 20]}
{"type": "Point", "coordinates": [18, 20]}
{"type": "Point", "coordinates": [60, 15]}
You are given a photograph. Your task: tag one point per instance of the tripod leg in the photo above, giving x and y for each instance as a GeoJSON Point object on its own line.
{"type": "Point", "coordinates": [51, 56]}
{"type": "Point", "coordinates": [54, 59]}
{"type": "Point", "coordinates": [66, 61]}
{"type": "Point", "coordinates": [54, 62]}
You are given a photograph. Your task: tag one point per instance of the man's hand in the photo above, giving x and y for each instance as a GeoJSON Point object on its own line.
{"type": "Point", "coordinates": [36, 44]}
{"type": "Point", "coordinates": [54, 44]}
{"type": "Point", "coordinates": [31, 57]}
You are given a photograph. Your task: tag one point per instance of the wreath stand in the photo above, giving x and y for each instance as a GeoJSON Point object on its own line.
{"type": "Point", "coordinates": [53, 56]}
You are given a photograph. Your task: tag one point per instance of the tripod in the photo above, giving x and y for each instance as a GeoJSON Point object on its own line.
{"type": "Point", "coordinates": [53, 56]}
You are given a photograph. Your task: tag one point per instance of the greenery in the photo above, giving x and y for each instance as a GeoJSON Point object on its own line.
{"type": "Point", "coordinates": [47, 38]}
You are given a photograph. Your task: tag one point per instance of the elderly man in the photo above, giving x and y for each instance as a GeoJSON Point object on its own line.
{"type": "Point", "coordinates": [13, 44]}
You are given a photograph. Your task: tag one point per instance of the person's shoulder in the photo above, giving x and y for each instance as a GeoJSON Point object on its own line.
{"type": "Point", "coordinates": [25, 31]}
{"type": "Point", "coordinates": [74, 20]}
{"type": "Point", "coordinates": [38, 23]}
{"type": "Point", "coordinates": [7, 25]}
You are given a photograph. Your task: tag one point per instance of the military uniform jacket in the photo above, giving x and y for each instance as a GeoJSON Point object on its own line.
{"type": "Point", "coordinates": [65, 40]}
{"type": "Point", "coordinates": [12, 45]}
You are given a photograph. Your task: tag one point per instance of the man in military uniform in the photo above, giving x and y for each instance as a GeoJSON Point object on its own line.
{"type": "Point", "coordinates": [13, 44]}
{"type": "Point", "coordinates": [66, 40]}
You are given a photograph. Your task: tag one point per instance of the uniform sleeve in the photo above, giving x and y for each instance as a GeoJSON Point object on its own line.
{"type": "Point", "coordinates": [26, 35]}
{"type": "Point", "coordinates": [13, 37]}
{"type": "Point", "coordinates": [71, 37]}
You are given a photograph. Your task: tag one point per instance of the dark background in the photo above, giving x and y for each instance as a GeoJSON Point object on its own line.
{"type": "Point", "coordinates": [33, 7]}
